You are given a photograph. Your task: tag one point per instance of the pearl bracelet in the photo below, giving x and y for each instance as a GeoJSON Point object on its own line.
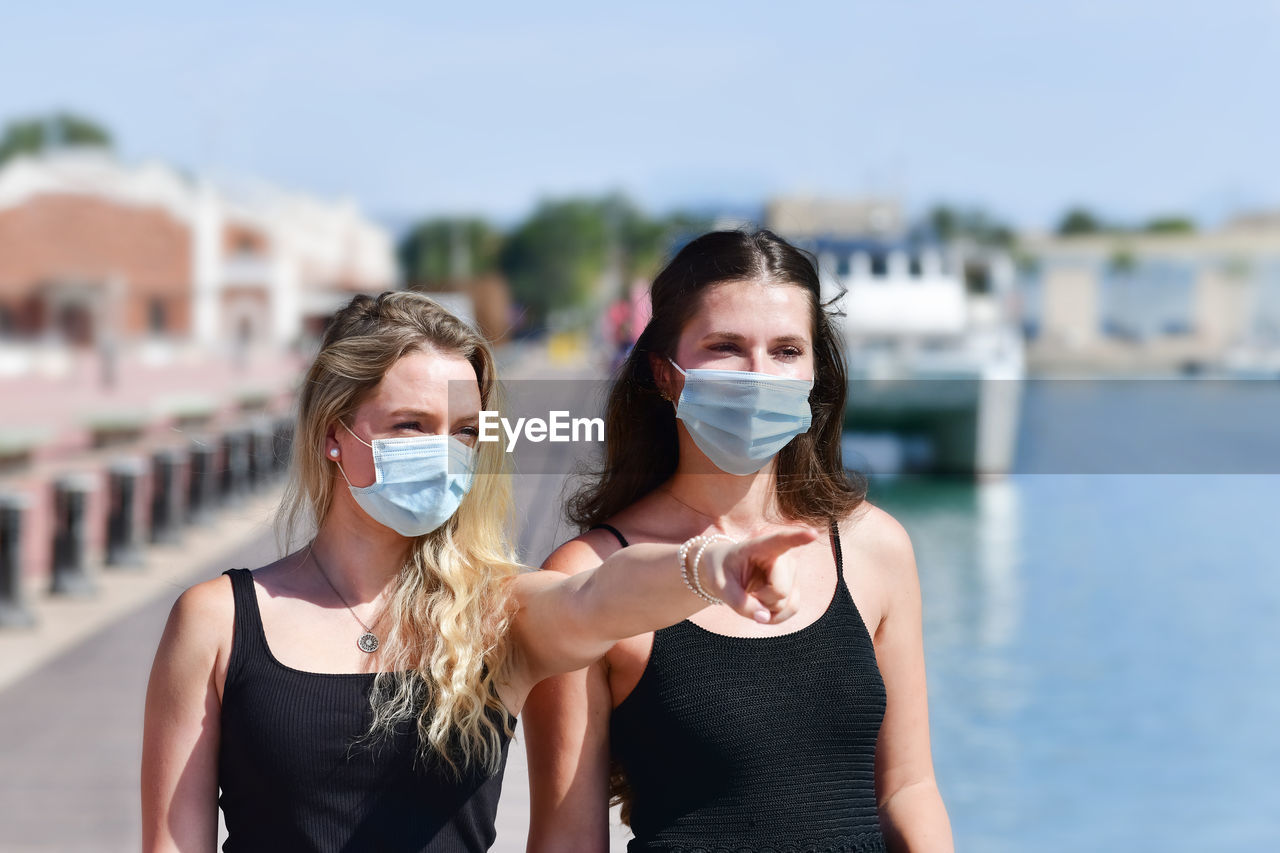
{"type": "Point", "coordinates": [697, 558]}
{"type": "Point", "coordinates": [695, 585]}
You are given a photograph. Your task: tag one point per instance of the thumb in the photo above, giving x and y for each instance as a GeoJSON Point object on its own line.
{"type": "Point", "coordinates": [747, 604]}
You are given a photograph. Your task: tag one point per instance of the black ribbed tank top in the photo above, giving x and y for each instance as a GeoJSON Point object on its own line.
{"type": "Point", "coordinates": [756, 743]}
{"type": "Point", "coordinates": [292, 777]}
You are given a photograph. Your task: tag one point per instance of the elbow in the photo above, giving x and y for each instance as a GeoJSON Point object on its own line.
{"type": "Point", "coordinates": [913, 819]}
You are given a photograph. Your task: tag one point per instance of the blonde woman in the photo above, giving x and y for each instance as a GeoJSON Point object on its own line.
{"type": "Point", "coordinates": [359, 693]}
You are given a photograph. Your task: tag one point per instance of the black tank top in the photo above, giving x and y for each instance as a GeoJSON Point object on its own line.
{"type": "Point", "coordinates": [756, 743]}
{"type": "Point", "coordinates": [292, 777]}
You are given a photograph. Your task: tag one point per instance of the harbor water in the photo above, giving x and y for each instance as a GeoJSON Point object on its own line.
{"type": "Point", "coordinates": [1103, 655]}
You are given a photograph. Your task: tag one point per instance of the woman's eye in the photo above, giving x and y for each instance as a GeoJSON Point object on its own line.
{"type": "Point", "coordinates": [725, 347]}
{"type": "Point", "coordinates": [790, 352]}
{"type": "Point", "coordinates": [469, 431]}
{"type": "Point", "coordinates": [408, 425]}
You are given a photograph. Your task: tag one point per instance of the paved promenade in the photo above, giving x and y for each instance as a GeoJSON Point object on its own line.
{"type": "Point", "coordinates": [71, 690]}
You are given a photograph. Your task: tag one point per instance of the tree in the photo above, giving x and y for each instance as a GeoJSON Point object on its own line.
{"type": "Point", "coordinates": [1077, 221]}
{"type": "Point", "coordinates": [1170, 225]}
{"type": "Point", "coordinates": [943, 221]}
{"type": "Point", "coordinates": [1122, 261]}
{"type": "Point", "coordinates": [447, 249]}
{"type": "Point", "coordinates": [553, 258]}
{"type": "Point", "coordinates": [949, 223]}
{"type": "Point", "coordinates": [563, 254]}
{"type": "Point", "coordinates": [36, 134]}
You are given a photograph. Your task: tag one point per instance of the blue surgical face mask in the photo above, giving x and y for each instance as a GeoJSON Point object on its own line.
{"type": "Point", "coordinates": [740, 419]}
{"type": "Point", "coordinates": [419, 481]}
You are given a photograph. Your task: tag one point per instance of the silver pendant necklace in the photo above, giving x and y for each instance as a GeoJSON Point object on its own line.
{"type": "Point", "coordinates": [368, 641]}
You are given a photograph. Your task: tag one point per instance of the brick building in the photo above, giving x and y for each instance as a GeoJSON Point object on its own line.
{"type": "Point", "coordinates": [97, 253]}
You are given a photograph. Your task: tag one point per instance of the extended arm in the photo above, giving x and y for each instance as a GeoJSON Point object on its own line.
{"type": "Point", "coordinates": [565, 623]}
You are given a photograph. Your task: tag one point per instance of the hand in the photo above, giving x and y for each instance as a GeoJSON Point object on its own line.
{"type": "Point", "coordinates": [747, 577]}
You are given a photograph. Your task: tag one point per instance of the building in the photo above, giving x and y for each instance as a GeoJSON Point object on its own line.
{"type": "Point", "coordinates": [96, 253]}
{"type": "Point", "coordinates": [1154, 301]}
{"type": "Point", "coordinates": [807, 218]}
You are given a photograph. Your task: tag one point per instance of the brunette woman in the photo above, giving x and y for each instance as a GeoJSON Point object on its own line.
{"type": "Point", "coordinates": [722, 733]}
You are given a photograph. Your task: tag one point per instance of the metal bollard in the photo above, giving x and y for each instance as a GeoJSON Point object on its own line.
{"type": "Point", "coordinates": [166, 496]}
{"type": "Point", "coordinates": [283, 434]}
{"type": "Point", "coordinates": [261, 454]}
{"type": "Point", "coordinates": [124, 536]}
{"type": "Point", "coordinates": [13, 609]}
{"type": "Point", "coordinates": [235, 466]}
{"type": "Point", "coordinates": [202, 491]}
{"type": "Point", "coordinates": [71, 536]}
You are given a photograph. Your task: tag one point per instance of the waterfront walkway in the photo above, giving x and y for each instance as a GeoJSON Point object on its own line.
{"type": "Point", "coordinates": [72, 689]}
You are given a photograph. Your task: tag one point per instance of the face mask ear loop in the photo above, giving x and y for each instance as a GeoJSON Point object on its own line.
{"type": "Point", "coordinates": [675, 406]}
{"type": "Point", "coordinates": [353, 435]}
{"type": "Point", "coordinates": [343, 473]}
{"type": "Point", "coordinates": [339, 464]}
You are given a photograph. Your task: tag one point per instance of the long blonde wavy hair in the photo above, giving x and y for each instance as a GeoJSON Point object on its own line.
{"type": "Point", "coordinates": [450, 608]}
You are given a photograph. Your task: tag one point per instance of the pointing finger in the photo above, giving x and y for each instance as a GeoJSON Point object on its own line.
{"type": "Point", "coordinates": [773, 545]}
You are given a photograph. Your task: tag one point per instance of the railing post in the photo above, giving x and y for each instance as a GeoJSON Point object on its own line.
{"type": "Point", "coordinates": [202, 493]}
{"type": "Point", "coordinates": [124, 540]}
{"type": "Point", "coordinates": [283, 435]}
{"type": "Point", "coordinates": [71, 536]}
{"type": "Point", "coordinates": [235, 468]}
{"type": "Point", "coordinates": [13, 608]}
{"type": "Point", "coordinates": [261, 454]}
{"type": "Point", "coordinates": [166, 496]}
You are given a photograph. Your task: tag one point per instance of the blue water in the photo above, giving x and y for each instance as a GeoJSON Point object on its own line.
{"type": "Point", "coordinates": [1103, 658]}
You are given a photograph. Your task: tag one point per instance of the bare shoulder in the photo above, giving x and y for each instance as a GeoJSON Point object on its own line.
{"type": "Point", "coordinates": [882, 543]}
{"type": "Point", "coordinates": [583, 552]}
{"type": "Point", "coordinates": [203, 616]}
{"type": "Point", "coordinates": [872, 528]}
{"type": "Point", "coordinates": [206, 601]}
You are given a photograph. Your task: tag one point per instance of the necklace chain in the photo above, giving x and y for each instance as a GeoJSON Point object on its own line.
{"type": "Point", "coordinates": [671, 495]}
{"type": "Point", "coordinates": [368, 641]}
{"type": "Point", "coordinates": [715, 522]}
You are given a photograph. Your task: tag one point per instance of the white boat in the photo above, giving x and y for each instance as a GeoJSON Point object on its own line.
{"type": "Point", "coordinates": [935, 354]}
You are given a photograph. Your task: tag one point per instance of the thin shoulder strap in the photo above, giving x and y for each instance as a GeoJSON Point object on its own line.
{"type": "Point", "coordinates": [841, 583]}
{"type": "Point", "coordinates": [248, 638]}
{"type": "Point", "coordinates": [835, 548]}
{"type": "Point", "coordinates": [609, 527]}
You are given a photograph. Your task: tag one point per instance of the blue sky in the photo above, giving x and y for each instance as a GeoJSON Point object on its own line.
{"type": "Point", "coordinates": [1134, 108]}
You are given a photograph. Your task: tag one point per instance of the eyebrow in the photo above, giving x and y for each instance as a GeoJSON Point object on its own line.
{"type": "Point", "coordinates": [737, 338]}
{"type": "Point", "coordinates": [410, 413]}
{"type": "Point", "coordinates": [419, 414]}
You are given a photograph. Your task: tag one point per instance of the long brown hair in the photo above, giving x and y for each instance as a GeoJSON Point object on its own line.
{"type": "Point", "coordinates": [641, 446]}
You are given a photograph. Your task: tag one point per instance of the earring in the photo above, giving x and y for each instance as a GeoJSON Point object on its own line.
{"type": "Point", "coordinates": [333, 451]}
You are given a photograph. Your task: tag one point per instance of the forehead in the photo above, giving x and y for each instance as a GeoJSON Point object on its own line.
{"type": "Point", "coordinates": [753, 307]}
{"type": "Point", "coordinates": [428, 377]}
